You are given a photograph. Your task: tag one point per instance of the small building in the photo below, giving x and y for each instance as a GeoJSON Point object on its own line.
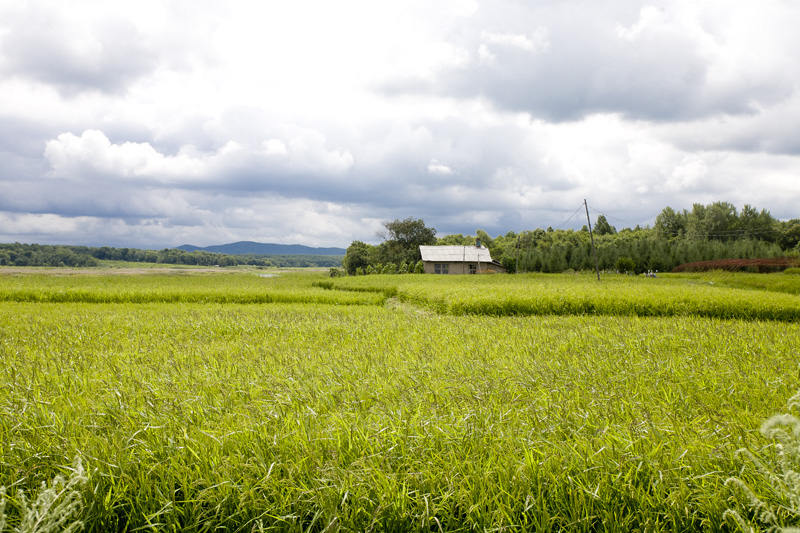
{"type": "Point", "coordinates": [458, 260]}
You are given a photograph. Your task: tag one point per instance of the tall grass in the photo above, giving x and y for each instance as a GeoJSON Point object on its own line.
{"type": "Point", "coordinates": [311, 417]}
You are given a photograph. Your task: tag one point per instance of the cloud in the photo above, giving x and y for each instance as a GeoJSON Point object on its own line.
{"type": "Point", "coordinates": [152, 123]}
{"type": "Point", "coordinates": [270, 219]}
{"type": "Point", "coordinates": [676, 62]}
{"type": "Point", "coordinates": [434, 167]}
{"type": "Point", "coordinates": [275, 147]}
{"type": "Point", "coordinates": [538, 42]}
{"type": "Point", "coordinates": [73, 50]}
{"type": "Point", "coordinates": [93, 155]}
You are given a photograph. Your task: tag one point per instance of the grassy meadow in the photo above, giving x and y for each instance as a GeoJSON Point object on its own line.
{"type": "Point", "coordinates": [207, 401]}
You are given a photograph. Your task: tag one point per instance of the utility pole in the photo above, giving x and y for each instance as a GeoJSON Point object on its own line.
{"type": "Point", "coordinates": [594, 252]}
{"type": "Point", "coordinates": [516, 268]}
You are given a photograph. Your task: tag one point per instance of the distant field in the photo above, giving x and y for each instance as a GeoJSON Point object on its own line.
{"type": "Point", "coordinates": [199, 401]}
{"type": "Point", "coordinates": [719, 295]}
{"type": "Point", "coordinates": [179, 286]}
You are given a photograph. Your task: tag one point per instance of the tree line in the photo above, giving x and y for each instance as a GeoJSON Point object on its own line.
{"type": "Point", "coordinates": [706, 232]}
{"type": "Point", "coordinates": [17, 254]}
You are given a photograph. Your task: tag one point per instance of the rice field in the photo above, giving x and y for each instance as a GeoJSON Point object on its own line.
{"type": "Point", "coordinates": [391, 405]}
{"type": "Point", "coordinates": [715, 295]}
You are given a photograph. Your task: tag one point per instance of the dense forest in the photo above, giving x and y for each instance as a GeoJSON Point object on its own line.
{"type": "Point", "coordinates": [706, 232]}
{"type": "Point", "coordinates": [83, 256]}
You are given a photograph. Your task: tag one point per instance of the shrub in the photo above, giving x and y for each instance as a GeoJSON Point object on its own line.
{"type": "Point", "coordinates": [625, 264]}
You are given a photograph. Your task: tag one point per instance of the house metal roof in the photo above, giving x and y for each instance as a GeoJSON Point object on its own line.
{"type": "Point", "coordinates": [455, 254]}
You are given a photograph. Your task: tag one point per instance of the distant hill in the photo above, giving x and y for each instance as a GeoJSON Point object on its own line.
{"type": "Point", "coordinates": [261, 248]}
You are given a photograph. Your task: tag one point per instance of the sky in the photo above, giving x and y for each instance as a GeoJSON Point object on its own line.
{"type": "Point", "coordinates": [156, 123]}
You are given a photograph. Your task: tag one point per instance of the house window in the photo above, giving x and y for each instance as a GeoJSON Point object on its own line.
{"type": "Point", "coordinates": [440, 268]}
{"type": "Point", "coordinates": [473, 269]}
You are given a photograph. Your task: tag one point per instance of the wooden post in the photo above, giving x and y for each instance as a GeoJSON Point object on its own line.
{"type": "Point", "coordinates": [594, 252]}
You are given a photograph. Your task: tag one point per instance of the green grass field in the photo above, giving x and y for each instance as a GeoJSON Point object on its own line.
{"type": "Point", "coordinates": [200, 401]}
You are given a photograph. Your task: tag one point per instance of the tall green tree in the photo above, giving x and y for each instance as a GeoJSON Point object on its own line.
{"type": "Point", "coordinates": [602, 227]}
{"type": "Point", "coordinates": [720, 220]}
{"type": "Point", "coordinates": [671, 224]}
{"type": "Point", "coordinates": [753, 223]}
{"type": "Point", "coordinates": [402, 239]}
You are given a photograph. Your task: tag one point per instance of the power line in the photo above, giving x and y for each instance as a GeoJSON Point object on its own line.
{"type": "Point", "coordinates": [609, 216]}
{"type": "Point", "coordinates": [570, 217]}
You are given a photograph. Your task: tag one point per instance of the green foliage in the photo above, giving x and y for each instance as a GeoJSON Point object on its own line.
{"type": "Point", "coordinates": [625, 264]}
{"type": "Point", "coordinates": [602, 227]}
{"type": "Point", "coordinates": [715, 231]}
{"type": "Point", "coordinates": [789, 237]}
{"type": "Point", "coordinates": [671, 224]}
{"type": "Point", "coordinates": [357, 256]}
{"type": "Point", "coordinates": [456, 240]}
{"type": "Point", "coordinates": [44, 255]}
{"type": "Point", "coordinates": [402, 239]}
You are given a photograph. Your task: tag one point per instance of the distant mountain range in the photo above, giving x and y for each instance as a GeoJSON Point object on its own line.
{"type": "Point", "coordinates": [263, 248]}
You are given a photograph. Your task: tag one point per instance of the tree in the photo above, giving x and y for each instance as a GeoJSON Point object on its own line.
{"type": "Point", "coordinates": [357, 256]}
{"type": "Point", "coordinates": [720, 220]}
{"type": "Point", "coordinates": [402, 239]}
{"type": "Point", "coordinates": [602, 227]}
{"type": "Point", "coordinates": [486, 240]}
{"type": "Point", "coordinates": [695, 227]}
{"type": "Point", "coordinates": [754, 224]}
{"type": "Point", "coordinates": [671, 224]}
{"type": "Point", "coordinates": [456, 240]}
{"type": "Point", "coordinates": [790, 234]}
